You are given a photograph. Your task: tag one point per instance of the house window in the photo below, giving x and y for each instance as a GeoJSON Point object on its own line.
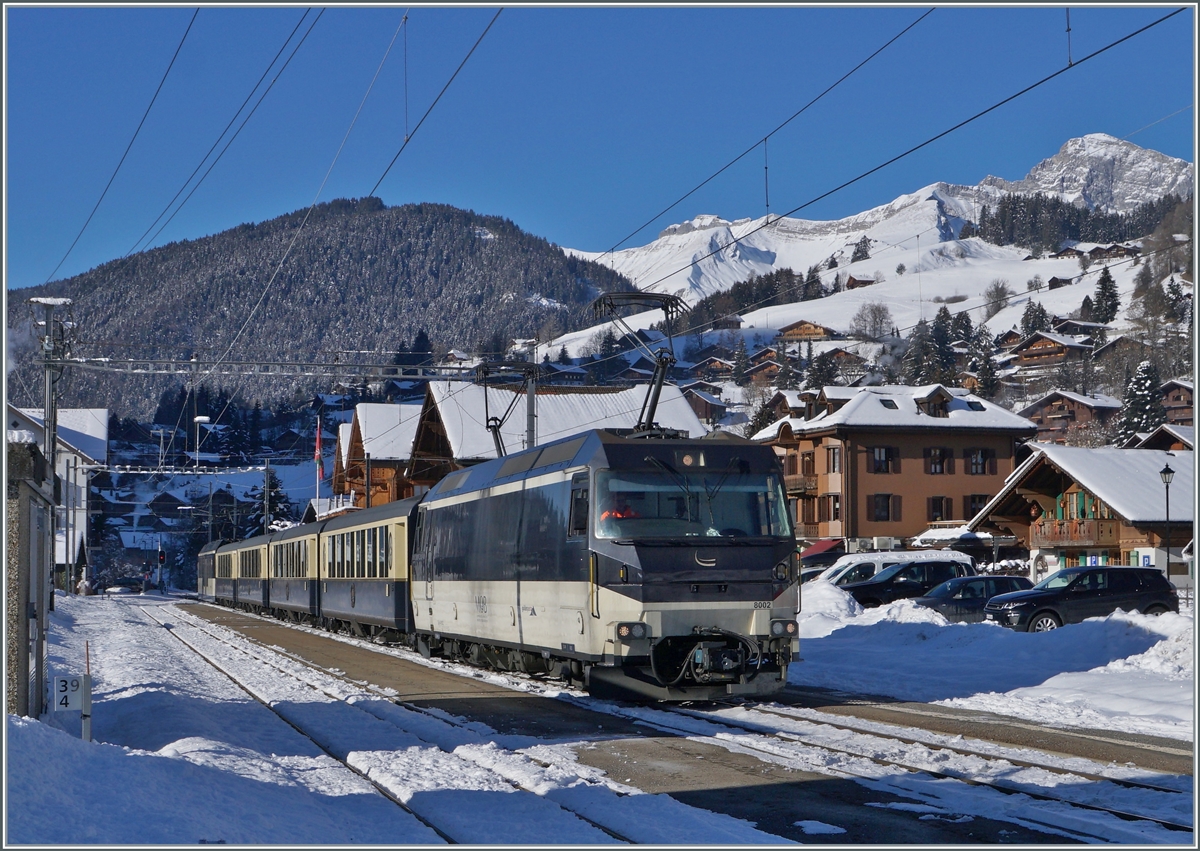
{"type": "Point", "coordinates": [808, 511]}
{"type": "Point", "coordinates": [885, 459]}
{"type": "Point", "coordinates": [973, 503]}
{"type": "Point", "coordinates": [980, 462]}
{"type": "Point", "coordinates": [808, 464]}
{"type": "Point", "coordinates": [833, 459]}
{"type": "Point", "coordinates": [790, 464]}
{"type": "Point", "coordinates": [883, 507]}
{"type": "Point", "coordinates": [939, 461]}
{"type": "Point", "coordinates": [830, 508]}
{"type": "Point", "coordinates": [940, 508]}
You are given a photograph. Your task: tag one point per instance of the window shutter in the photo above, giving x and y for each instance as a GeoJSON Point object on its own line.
{"type": "Point", "coordinates": [991, 462]}
{"type": "Point", "coordinates": [871, 506]}
{"type": "Point", "coordinates": [948, 460]}
{"type": "Point", "coordinates": [966, 506]}
{"type": "Point", "coordinates": [930, 508]}
{"type": "Point", "coordinates": [894, 457]}
{"type": "Point", "coordinates": [896, 508]}
{"type": "Point", "coordinates": [927, 451]}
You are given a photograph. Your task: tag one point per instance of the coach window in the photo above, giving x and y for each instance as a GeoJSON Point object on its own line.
{"type": "Point", "coordinates": [385, 552]}
{"type": "Point", "coordinates": [360, 561]}
{"type": "Point", "coordinates": [371, 553]}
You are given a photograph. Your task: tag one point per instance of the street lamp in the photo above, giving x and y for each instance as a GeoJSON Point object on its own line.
{"type": "Point", "coordinates": [1166, 474]}
{"type": "Point", "coordinates": [198, 421]}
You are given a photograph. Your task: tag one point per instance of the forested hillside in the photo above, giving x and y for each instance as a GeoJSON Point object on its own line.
{"type": "Point", "coordinates": [360, 278]}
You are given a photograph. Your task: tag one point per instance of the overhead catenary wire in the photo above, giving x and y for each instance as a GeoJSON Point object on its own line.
{"type": "Point", "coordinates": [128, 147]}
{"type": "Point", "coordinates": [917, 147]}
{"type": "Point", "coordinates": [221, 135]}
{"type": "Point", "coordinates": [408, 136]}
{"type": "Point", "coordinates": [242, 126]}
{"type": "Point", "coordinates": [744, 153]}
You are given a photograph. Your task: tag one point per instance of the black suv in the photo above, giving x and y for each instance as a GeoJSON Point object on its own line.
{"type": "Point", "coordinates": [1076, 593]}
{"type": "Point", "coordinates": [963, 599]}
{"type": "Point", "coordinates": [910, 579]}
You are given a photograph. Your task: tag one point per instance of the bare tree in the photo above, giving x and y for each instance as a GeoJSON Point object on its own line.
{"type": "Point", "coordinates": [872, 321]}
{"type": "Point", "coordinates": [995, 297]}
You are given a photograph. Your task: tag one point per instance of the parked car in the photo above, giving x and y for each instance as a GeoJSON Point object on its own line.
{"type": "Point", "coordinates": [963, 599]}
{"type": "Point", "coordinates": [862, 566]}
{"type": "Point", "coordinates": [906, 580]}
{"type": "Point", "coordinates": [124, 585]}
{"type": "Point", "coordinates": [1076, 593]}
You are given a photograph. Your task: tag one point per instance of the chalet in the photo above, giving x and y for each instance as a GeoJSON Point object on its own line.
{"type": "Point", "coordinates": [1173, 438]}
{"type": "Point", "coordinates": [1177, 399]}
{"type": "Point", "coordinates": [339, 458]}
{"type": "Point", "coordinates": [709, 409]}
{"type": "Point", "coordinates": [713, 350]}
{"type": "Point", "coordinates": [729, 322]}
{"type": "Point", "coordinates": [379, 451]}
{"type": "Point", "coordinates": [1056, 282]}
{"type": "Point", "coordinates": [886, 461]}
{"type": "Point", "coordinates": [767, 369]}
{"type": "Point", "coordinates": [697, 384]}
{"type": "Point", "coordinates": [1077, 327]}
{"type": "Point", "coordinates": [1009, 339]}
{"type": "Point", "coordinates": [786, 403]}
{"type": "Point", "coordinates": [1059, 411]}
{"type": "Point", "coordinates": [712, 367]}
{"type": "Point", "coordinates": [1122, 346]}
{"type": "Point", "coordinates": [804, 331]}
{"type": "Point", "coordinates": [1072, 506]}
{"type": "Point", "coordinates": [452, 434]}
{"type": "Point", "coordinates": [1069, 253]}
{"type": "Point", "coordinates": [1043, 349]}
{"type": "Point", "coordinates": [767, 353]}
{"type": "Point", "coordinates": [563, 374]}
{"type": "Point", "coordinates": [853, 282]}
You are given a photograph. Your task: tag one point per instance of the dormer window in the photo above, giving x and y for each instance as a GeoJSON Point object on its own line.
{"type": "Point", "coordinates": [890, 404]}
{"type": "Point", "coordinates": [975, 405]}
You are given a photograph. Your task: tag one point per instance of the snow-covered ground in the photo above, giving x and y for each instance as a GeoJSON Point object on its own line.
{"type": "Point", "coordinates": [1128, 672]}
{"type": "Point", "coordinates": [181, 754]}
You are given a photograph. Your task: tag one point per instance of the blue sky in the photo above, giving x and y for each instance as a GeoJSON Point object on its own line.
{"type": "Point", "coordinates": [577, 124]}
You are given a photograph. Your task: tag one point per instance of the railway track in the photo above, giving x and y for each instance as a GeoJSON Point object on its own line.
{"type": "Point", "coordinates": [914, 773]}
{"type": "Point", "coordinates": [983, 776]}
{"type": "Point", "coordinates": [509, 768]}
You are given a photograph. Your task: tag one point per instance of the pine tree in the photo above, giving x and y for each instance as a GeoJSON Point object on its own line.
{"type": "Point", "coordinates": [812, 284]}
{"type": "Point", "coordinates": [961, 327]}
{"type": "Point", "coordinates": [741, 363]}
{"type": "Point", "coordinates": [1087, 311]}
{"type": "Point", "coordinates": [1035, 318]}
{"type": "Point", "coordinates": [422, 348]}
{"type": "Point", "coordinates": [764, 415]}
{"type": "Point", "coordinates": [564, 359]}
{"type": "Point", "coordinates": [920, 360]}
{"type": "Point", "coordinates": [821, 372]}
{"type": "Point", "coordinates": [940, 337]}
{"type": "Point", "coordinates": [786, 379]}
{"type": "Point", "coordinates": [1143, 408]}
{"type": "Point", "coordinates": [1107, 300]}
{"type": "Point", "coordinates": [987, 376]}
{"type": "Point", "coordinates": [862, 250]}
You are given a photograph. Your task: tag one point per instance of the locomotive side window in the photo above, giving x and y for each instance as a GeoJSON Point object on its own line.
{"type": "Point", "coordinates": [579, 506]}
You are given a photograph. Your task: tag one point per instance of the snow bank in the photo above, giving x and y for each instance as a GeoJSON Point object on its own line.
{"type": "Point", "coordinates": [1131, 672]}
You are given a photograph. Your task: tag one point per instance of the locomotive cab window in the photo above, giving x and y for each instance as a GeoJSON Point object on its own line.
{"type": "Point", "coordinates": [669, 502]}
{"type": "Point", "coordinates": [579, 506]}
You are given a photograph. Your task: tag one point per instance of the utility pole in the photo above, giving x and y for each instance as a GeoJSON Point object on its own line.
{"type": "Point", "coordinates": [267, 498]}
{"type": "Point", "coordinates": [54, 349]}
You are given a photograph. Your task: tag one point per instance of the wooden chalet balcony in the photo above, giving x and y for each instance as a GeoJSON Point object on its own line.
{"type": "Point", "coordinates": [1078, 533]}
{"type": "Point", "coordinates": [799, 484]}
{"type": "Point", "coordinates": [809, 530]}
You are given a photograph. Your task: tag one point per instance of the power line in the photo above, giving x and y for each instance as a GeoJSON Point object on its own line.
{"type": "Point", "coordinates": [127, 147]}
{"type": "Point", "coordinates": [242, 126]}
{"type": "Point", "coordinates": [221, 135]}
{"type": "Point", "coordinates": [408, 136]}
{"type": "Point", "coordinates": [763, 141]}
{"type": "Point", "coordinates": [916, 148]}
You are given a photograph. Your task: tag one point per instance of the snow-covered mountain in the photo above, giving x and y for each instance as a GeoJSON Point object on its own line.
{"type": "Point", "coordinates": [920, 230]}
{"type": "Point", "coordinates": [1106, 173]}
{"type": "Point", "coordinates": [709, 254]}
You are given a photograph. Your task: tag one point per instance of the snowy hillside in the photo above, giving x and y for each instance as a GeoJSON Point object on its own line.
{"type": "Point", "coordinates": [918, 230]}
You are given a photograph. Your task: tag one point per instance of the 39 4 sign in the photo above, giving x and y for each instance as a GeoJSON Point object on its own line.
{"type": "Point", "coordinates": [72, 693]}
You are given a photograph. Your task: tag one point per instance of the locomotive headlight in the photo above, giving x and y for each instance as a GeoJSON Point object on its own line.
{"type": "Point", "coordinates": [781, 628]}
{"type": "Point", "coordinates": [634, 631]}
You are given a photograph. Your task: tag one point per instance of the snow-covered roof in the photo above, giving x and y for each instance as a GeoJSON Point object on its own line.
{"type": "Point", "coordinates": [1096, 400]}
{"type": "Point", "coordinates": [1178, 382]}
{"type": "Point", "coordinates": [1071, 342]}
{"type": "Point", "coordinates": [707, 397]}
{"type": "Point", "coordinates": [83, 429]}
{"type": "Point", "coordinates": [1183, 433]}
{"type": "Point", "coordinates": [461, 407]}
{"type": "Point", "coordinates": [895, 406]}
{"type": "Point", "coordinates": [344, 431]}
{"type": "Point", "coordinates": [388, 431]}
{"type": "Point", "coordinates": [1127, 480]}
{"type": "Point", "coordinates": [772, 431]}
